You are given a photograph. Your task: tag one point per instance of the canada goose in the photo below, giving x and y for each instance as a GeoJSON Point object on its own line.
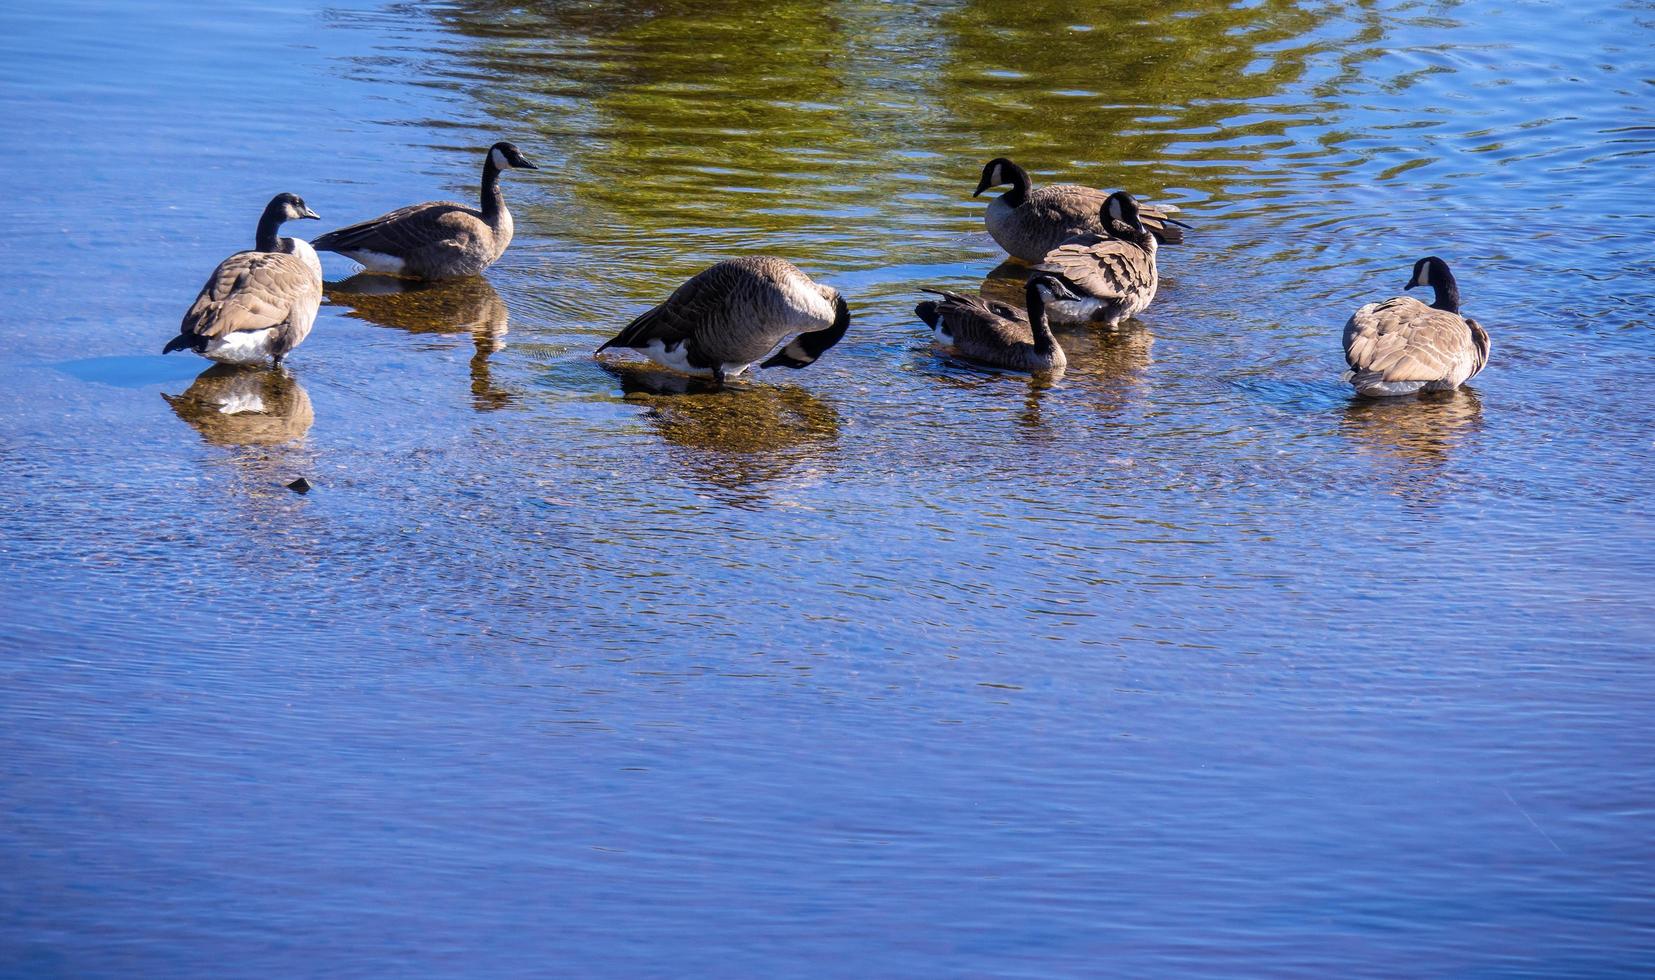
{"type": "Point", "coordinates": [437, 239]}
{"type": "Point", "coordinates": [995, 334]}
{"type": "Point", "coordinates": [1113, 276]}
{"type": "Point", "coordinates": [259, 304]}
{"type": "Point", "coordinates": [1402, 346]}
{"type": "Point", "coordinates": [727, 317]}
{"type": "Point", "coordinates": [1029, 222]}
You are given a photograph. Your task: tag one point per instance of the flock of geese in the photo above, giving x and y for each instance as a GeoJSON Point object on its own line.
{"type": "Point", "coordinates": [1091, 258]}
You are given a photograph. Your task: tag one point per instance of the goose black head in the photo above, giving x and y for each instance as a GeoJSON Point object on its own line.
{"type": "Point", "coordinates": [1432, 271]}
{"type": "Point", "coordinates": [282, 207]}
{"type": "Point", "coordinates": [1120, 213]}
{"type": "Point", "coordinates": [506, 156]}
{"type": "Point", "coordinates": [1429, 271]}
{"type": "Point", "coordinates": [1000, 171]}
{"type": "Point", "coordinates": [288, 207]}
{"type": "Point", "coordinates": [1046, 288]}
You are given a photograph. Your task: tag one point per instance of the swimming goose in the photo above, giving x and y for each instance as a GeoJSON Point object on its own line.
{"type": "Point", "coordinates": [1028, 222]}
{"type": "Point", "coordinates": [995, 334]}
{"type": "Point", "coordinates": [1113, 276]}
{"type": "Point", "coordinates": [1402, 346]}
{"type": "Point", "coordinates": [727, 317]}
{"type": "Point", "coordinates": [260, 304]}
{"type": "Point", "coordinates": [437, 239]}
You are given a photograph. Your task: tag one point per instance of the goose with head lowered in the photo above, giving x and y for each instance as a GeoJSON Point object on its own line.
{"type": "Point", "coordinates": [437, 239]}
{"type": "Point", "coordinates": [1028, 222]}
{"type": "Point", "coordinates": [1113, 275]}
{"type": "Point", "coordinates": [1402, 346]}
{"type": "Point", "coordinates": [258, 305]}
{"type": "Point", "coordinates": [727, 317]}
{"type": "Point", "coordinates": [996, 335]}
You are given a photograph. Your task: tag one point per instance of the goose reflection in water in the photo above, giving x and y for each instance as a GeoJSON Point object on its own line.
{"type": "Point", "coordinates": [243, 406]}
{"type": "Point", "coordinates": [469, 305]}
{"type": "Point", "coordinates": [739, 437]}
{"type": "Point", "coordinates": [1421, 432]}
{"type": "Point", "coordinates": [262, 415]}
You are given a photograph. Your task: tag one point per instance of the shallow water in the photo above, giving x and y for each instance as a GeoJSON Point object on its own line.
{"type": "Point", "coordinates": [1185, 664]}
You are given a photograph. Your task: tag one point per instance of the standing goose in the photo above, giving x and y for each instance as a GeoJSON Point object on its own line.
{"type": "Point", "coordinates": [727, 317]}
{"type": "Point", "coordinates": [437, 239]}
{"type": "Point", "coordinates": [1029, 222]}
{"type": "Point", "coordinates": [1402, 346]}
{"type": "Point", "coordinates": [995, 334]}
{"type": "Point", "coordinates": [1113, 275]}
{"type": "Point", "coordinates": [260, 304]}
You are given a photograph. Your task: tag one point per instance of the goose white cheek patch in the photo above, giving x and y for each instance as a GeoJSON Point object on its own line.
{"type": "Point", "coordinates": [499, 160]}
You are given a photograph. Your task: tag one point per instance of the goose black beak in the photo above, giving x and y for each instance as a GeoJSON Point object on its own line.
{"type": "Point", "coordinates": [524, 164]}
{"type": "Point", "coordinates": [308, 213]}
{"type": "Point", "coordinates": [1411, 285]}
{"type": "Point", "coordinates": [1175, 221]}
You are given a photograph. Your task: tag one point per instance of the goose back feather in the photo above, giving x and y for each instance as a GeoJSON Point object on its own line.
{"type": "Point", "coordinates": [727, 317]}
{"type": "Point", "coordinates": [1402, 346]}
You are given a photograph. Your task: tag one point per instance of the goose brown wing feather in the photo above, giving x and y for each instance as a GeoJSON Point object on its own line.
{"type": "Point", "coordinates": [405, 230]}
{"type": "Point", "coordinates": [1402, 339]}
{"type": "Point", "coordinates": [701, 300]}
{"type": "Point", "coordinates": [1102, 267]}
{"type": "Point", "coordinates": [972, 321]}
{"type": "Point", "coordinates": [251, 291]}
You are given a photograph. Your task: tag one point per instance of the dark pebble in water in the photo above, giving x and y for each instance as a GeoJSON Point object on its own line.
{"type": "Point", "coordinates": [301, 485]}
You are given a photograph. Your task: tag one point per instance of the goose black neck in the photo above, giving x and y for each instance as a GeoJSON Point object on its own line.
{"type": "Point", "coordinates": [1447, 290]}
{"type": "Point", "coordinates": [1043, 339]}
{"type": "Point", "coordinates": [269, 224]}
{"type": "Point", "coordinates": [819, 342]}
{"type": "Point", "coordinates": [493, 200]}
{"type": "Point", "coordinates": [1019, 186]}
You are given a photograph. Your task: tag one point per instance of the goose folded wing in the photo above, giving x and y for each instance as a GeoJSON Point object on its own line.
{"type": "Point", "coordinates": [703, 300]}
{"type": "Point", "coordinates": [1404, 341]}
{"type": "Point", "coordinates": [250, 291]}
{"type": "Point", "coordinates": [1097, 266]}
{"type": "Point", "coordinates": [971, 319]}
{"type": "Point", "coordinates": [402, 230]}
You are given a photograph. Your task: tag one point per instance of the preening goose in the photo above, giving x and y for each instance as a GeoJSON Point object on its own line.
{"type": "Point", "coordinates": [1028, 222]}
{"type": "Point", "coordinates": [995, 334]}
{"type": "Point", "coordinates": [1112, 275]}
{"type": "Point", "coordinates": [437, 239]}
{"type": "Point", "coordinates": [727, 317]}
{"type": "Point", "coordinates": [257, 305]}
{"type": "Point", "coordinates": [1402, 346]}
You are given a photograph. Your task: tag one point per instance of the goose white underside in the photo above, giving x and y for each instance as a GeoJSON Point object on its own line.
{"type": "Point", "coordinates": [377, 261]}
{"type": "Point", "coordinates": [942, 335]}
{"type": "Point", "coordinates": [241, 347]}
{"type": "Point", "coordinates": [1073, 311]}
{"type": "Point", "coordinates": [678, 359]}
